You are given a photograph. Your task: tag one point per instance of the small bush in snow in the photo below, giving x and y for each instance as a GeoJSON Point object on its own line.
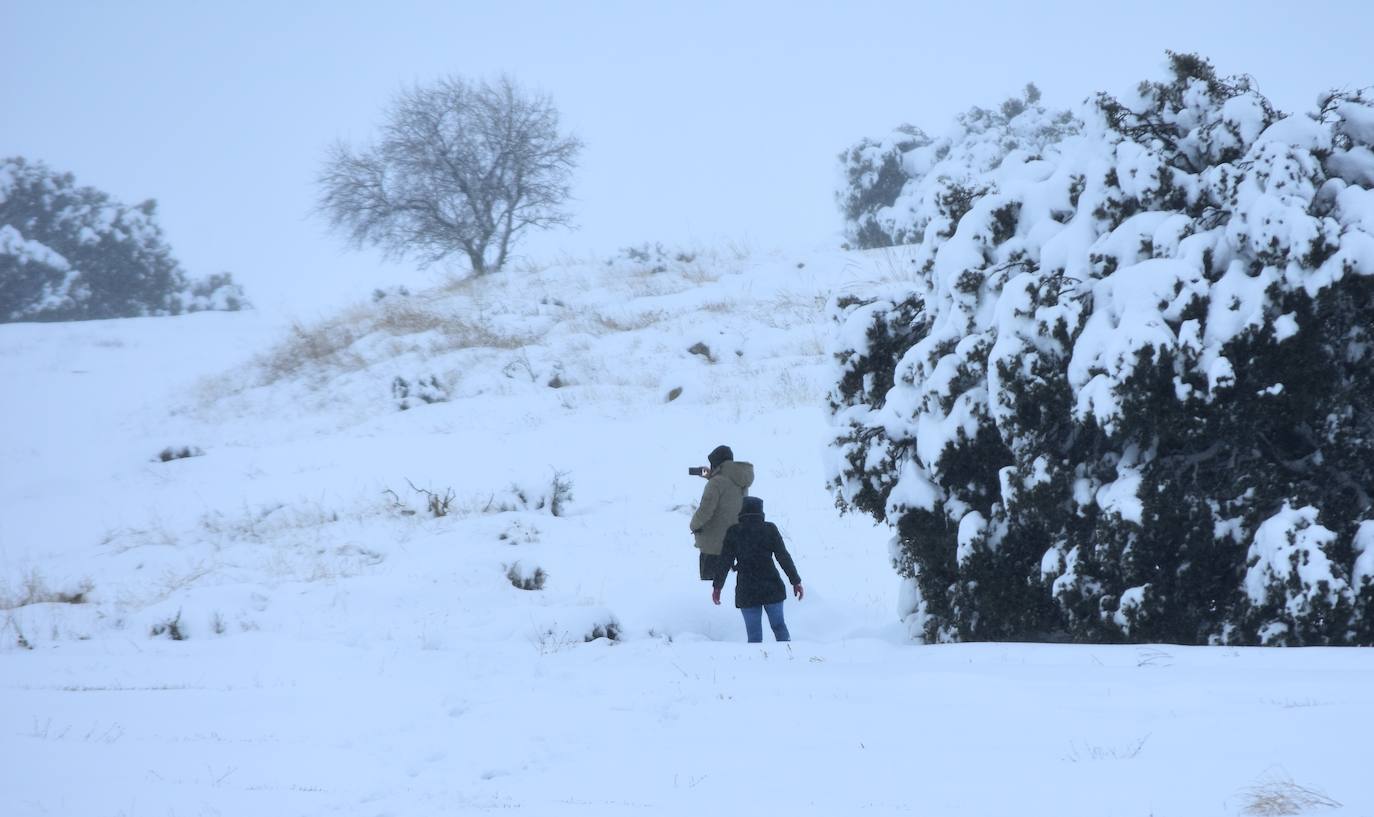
{"type": "Point", "coordinates": [651, 258]}
{"type": "Point", "coordinates": [554, 497]}
{"type": "Point", "coordinates": [396, 505]}
{"type": "Point", "coordinates": [518, 534]}
{"type": "Point", "coordinates": [382, 294]}
{"type": "Point", "coordinates": [551, 641]}
{"type": "Point", "coordinates": [608, 629]}
{"type": "Point", "coordinates": [438, 504]}
{"type": "Point", "coordinates": [560, 493]}
{"type": "Point", "coordinates": [1128, 395]}
{"type": "Point", "coordinates": [20, 640]}
{"type": "Point", "coordinates": [423, 390]}
{"type": "Point", "coordinates": [523, 578]}
{"type": "Point", "coordinates": [35, 590]}
{"type": "Point", "coordinates": [170, 628]}
{"type": "Point", "coordinates": [218, 292]}
{"type": "Point", "coordinates": [550, 372]}
{"type": "Point", "coordinates": [174, 453]}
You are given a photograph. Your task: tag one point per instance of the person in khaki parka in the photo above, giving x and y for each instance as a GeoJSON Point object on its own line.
{"type": "Point", "coordinates": [727, 485]}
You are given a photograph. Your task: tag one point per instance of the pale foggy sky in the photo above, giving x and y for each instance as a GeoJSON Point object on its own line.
{"type": "Point", "coordinates": [704, 122]}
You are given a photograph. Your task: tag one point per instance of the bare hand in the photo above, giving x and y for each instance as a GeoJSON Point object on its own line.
{"type": "Point", "coordinates": [715, 595]}
{"type": "Point", "coordinates": [798, 592]}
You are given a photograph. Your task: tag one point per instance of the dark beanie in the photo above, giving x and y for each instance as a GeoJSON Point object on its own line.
{"type": "Point", "coordinates": [752, 505]}
{"type": "Point", "coordinates": [719, 455]}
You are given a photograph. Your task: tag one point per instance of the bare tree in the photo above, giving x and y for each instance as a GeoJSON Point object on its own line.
{"type": "Point", "coordinates": [461, 166]}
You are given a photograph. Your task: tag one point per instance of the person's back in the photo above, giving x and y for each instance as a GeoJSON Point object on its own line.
{"type": "Point", "coordinates": [751, 545]}
{"type": "Point", "coordinates": [720, 504]}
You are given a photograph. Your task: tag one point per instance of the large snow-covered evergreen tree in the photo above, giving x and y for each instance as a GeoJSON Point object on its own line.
{"type": "Point", "coordinates": [73, 253]}
{"type": "Point", "coordinates": [1129, 393]}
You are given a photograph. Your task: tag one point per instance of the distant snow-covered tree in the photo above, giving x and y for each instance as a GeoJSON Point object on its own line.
{"type": "Point", "coordinates": [1131, 394]}
{"type": "Point", "coordinates": [74, 253]}
{"type": "Point", "coordinates": [898, 187]}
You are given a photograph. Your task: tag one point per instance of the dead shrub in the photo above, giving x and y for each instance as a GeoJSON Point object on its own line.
{"type": "Point", "coordinates": [608, 629]}
{"type": "Point", "coordinates": [170, 628]}
{"type": "Point", "coordinates": [174, 453]}
{"type": "Point", "coordinates": [438, 504]}
{"type": "Point", "coordinates": [424, 390]}
{"type": "Point", "coordinates": [560, 492]}
{"type": "Point", "coordinates": [35, 590]}
{"type": "Point", "coordinates": [523, 579]}
{"type": "Point", "coordinates": [1277, 795]}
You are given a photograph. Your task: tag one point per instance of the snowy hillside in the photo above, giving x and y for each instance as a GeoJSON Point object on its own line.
{"type": "Point", "coordinates": [280, 623]}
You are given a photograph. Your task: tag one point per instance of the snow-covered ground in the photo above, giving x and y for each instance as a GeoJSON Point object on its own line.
{"type": "Point", "coordinates": [345, 651]}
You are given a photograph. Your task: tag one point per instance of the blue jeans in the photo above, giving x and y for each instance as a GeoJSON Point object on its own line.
{"type": "Point", "coordinates": [753, 622]}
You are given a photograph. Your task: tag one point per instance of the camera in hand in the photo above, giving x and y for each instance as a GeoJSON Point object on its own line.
{"type": "Point", "coordinates": [696, 471]}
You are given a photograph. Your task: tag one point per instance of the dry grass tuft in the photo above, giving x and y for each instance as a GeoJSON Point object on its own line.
{"type": "Point", "coordinates": [34, 590]}
{"type": "Point", "coordinates": [1277, 795]}
{"type": "Point", "coordinates": [1089, 752]}
{"type": "Point", "coordinates": [787, 308]}
{"type": "Point", "coordinates": [325, 344]}
{"type": "Point", "coordinates": [407, 317]}
{"type": "Point", "coordinates": [331, 344]}
{"type": "Point", "coordinates": [793, 388]}
{"type": "Point", "coordinates": [630, 322]}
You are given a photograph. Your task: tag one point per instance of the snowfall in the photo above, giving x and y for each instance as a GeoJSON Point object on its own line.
{"type": "Point", "coordinates": [317, 612]}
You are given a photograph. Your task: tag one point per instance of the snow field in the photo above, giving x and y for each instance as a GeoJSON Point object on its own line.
{"type": "Point", "coordinates": [346, 652]}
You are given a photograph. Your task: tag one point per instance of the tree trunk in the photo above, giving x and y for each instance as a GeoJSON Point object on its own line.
{"type": "Point", "coordinates": [478, 261]}
{"type": "Point", "coordinates": [506, 230]}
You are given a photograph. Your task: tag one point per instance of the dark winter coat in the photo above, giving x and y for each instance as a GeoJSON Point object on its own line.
{"type": "Point", "coordinates": [720, 504]}
{"type": "Point", "coordinates": [751, 545]}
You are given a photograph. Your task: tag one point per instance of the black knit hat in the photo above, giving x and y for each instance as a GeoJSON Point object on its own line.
{"type": "Point", "coordinates": [719, 455]}
{"type": "Point", "coordinates": [752, 505]}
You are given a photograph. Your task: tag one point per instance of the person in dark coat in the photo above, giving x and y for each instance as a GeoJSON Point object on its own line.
{"type": "Point", "coordinates": [751, 545]}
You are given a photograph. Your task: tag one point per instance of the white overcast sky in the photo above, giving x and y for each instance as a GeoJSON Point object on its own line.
{"type": "Point", "coordinates": [704, 122]}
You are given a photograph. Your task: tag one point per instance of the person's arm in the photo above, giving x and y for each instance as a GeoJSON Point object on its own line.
{"type": "Point", "coordinates": [710, 497]}
{"type": "Point", "coordinates": [785, 559]}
